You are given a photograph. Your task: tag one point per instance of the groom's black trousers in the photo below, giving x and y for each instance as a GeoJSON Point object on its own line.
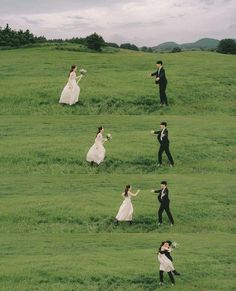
{"type": "Point", "coordinates": [162, 92]}
{"type": "Point", "coordinates": [165, 207]}
{"type": "Point", "coordinates": [165, 148]}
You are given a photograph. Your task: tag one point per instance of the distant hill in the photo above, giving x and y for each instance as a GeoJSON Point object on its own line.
{"type": "Point", "coordinates": [204, 43]}
{"type": "Point", "coordinates": [166, 46]}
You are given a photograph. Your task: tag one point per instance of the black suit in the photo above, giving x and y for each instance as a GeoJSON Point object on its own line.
{"type": "Point", "coordinates": [164, 204]}
{"type": "Point", "coordinates": [162, 85]}
{"type": "Point", "coordinates": [164, 146]}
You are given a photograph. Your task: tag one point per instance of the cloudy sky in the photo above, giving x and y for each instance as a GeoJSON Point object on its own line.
{"type": "Point", "coordinates": [143, 22]}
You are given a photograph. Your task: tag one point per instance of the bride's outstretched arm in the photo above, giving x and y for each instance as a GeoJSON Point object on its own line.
{"type": "Point", "coordinates": [134, 194]}
{"type": "Point", "coordinates": [79, 78]}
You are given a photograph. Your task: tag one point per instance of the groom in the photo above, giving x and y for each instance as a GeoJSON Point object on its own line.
{"type": "Point", "coordinates": [162, 81]}
{"type": "Point", "coordinates": [162, 136]}
{"type": "Point", "coordinates": [164, 203]}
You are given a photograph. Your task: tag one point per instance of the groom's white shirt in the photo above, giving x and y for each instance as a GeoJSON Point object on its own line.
{"type": "Point", "coordinates": [162, 133]}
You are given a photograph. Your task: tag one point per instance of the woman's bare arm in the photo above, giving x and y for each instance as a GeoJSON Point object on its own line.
{"type": "Point", "coordinates": [134, 194]}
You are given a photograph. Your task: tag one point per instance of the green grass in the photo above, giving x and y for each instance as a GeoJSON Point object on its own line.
{"type": "Point", "coordinates": [58, 145]}
{"type": "Point", "coordinates": [57, 213]}
{"type": "Point", "coordinates": [82, 48]}
{"type": "Point", "coordinates": [113, 262]}
{"type": "Point", "coordinates": [199, 82]}
{"type": "Point", "coordinates": [89, 203]}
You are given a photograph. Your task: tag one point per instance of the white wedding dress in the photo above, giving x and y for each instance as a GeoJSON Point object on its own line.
{"type": "Point", "coordinates": [165, 264]}
{"type": "Point", "coordinates": [97, 151]}
{"type": "Point", "coordinates": [70, 93]}
{"type": "Point", "coordinates": [126, 210]}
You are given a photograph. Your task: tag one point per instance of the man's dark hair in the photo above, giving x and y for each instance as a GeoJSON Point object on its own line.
{"type": "Point", "coordinates": [164, 182]}
{"type": "Point", "coordinates": [164, 123]}
{"type": "Point", "coordinates": [159, 62]}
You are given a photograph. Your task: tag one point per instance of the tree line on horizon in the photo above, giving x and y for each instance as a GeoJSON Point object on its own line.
{"type": "Point", "coordinates": [15, 39]}
{"type": "Point", "coordinates": [10, 38]}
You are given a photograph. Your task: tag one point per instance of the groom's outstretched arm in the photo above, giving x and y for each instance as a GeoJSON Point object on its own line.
{"type": "Point", "coordinates": [154, 74]}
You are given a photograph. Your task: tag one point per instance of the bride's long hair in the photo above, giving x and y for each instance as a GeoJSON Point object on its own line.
{"type": "Point", "coordinates": [99, 130]}
{"type": "Point", "coordinates": [127, 187]}
{"type": "Point", "coordinates": [72, 69]}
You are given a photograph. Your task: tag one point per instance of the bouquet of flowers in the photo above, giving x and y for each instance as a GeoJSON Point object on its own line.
{"type": "Point", "coordinates": [109, 137]}
{"type": "Point", "coordinates": [174, 245]}
{"type": "Point", "coordinates": [83, 71]}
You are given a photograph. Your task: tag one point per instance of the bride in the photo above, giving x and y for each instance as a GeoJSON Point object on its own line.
{"type": "Point", "coordinates": [70, 93]}
{"type": "Point", "coordinates": [96, 153]}
{"type": "Point", "coordinates": [125, 212]}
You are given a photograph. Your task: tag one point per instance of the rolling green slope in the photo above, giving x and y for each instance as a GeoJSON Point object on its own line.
{"type": "Point", "coordinates": [31, 81]}
{"type": "Point", "coordinates": [57, 213]}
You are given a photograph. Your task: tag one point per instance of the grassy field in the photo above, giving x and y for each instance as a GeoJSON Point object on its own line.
{"type": "Point", "coordinates": [199, 82]}
{"type": "Point", "coordinates": [57, 213]}
{"type": "Point", "coordinates": [112, 262]}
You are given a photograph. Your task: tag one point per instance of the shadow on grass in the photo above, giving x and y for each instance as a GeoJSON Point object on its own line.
{"type": "Point", "coordinates": [108, 282]}
{"type": "Point", "coordinates": [139, 224]}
